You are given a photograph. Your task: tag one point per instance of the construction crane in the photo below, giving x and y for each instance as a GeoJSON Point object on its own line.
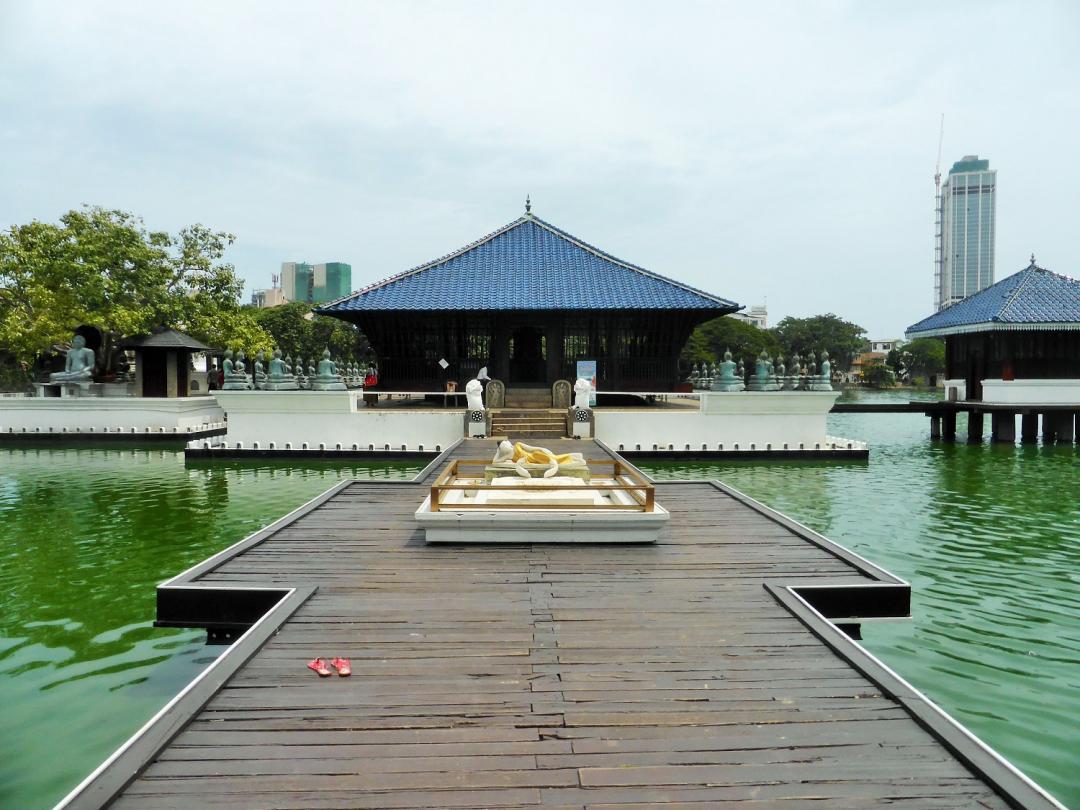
{"type": "Point", "coordinates": [939, 224]}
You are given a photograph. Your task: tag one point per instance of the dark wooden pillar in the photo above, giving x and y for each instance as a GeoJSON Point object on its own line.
{"type": "Point", "coordinates": [553, 334]}
{"type": "Point", "coordinates": [1049, 427]}
{"type": "Point", "coordinates": [935, 427]}
{"type": "Point", "coordinates": [1029, 427]}
{"type": "Point", "coordinates": [500, 352]}
{"type": "Point", "coordinates": [975, 426]}
{"type": "Point", "coordinates": [1003, 426]}
{"type": "Point", "coordinates": [948, 426]}
{"type": "Point", "coordinates": [1066, 420]}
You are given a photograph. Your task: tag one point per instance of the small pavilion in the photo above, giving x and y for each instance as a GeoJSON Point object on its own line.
{"type": "Point", "coordinates": [1014, 347]}
{"type": "Point", "coordinates": [163, 362]}
{"type": "Point", "coordinates": [528, 301]}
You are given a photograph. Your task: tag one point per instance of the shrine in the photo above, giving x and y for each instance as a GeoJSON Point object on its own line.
{"type": "Point", "coordinates": [527, 302]}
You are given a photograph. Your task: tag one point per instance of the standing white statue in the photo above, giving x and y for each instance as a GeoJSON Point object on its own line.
{"type": "Point", "coordinates": [474, 395]}
{"type": "Point", "coordinates": [582, 394]}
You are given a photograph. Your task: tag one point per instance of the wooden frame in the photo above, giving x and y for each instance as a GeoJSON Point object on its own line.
{"type": "Point", "coordinates": [641, 491]}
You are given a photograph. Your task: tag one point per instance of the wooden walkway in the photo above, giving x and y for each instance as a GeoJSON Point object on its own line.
{"type": "Point", "coordinates": [557, 677]}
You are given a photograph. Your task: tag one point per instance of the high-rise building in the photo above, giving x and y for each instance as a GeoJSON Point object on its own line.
{"type": "Point", "coordinates": [315, 283]}
{"type": "Point", "coordinates": [965, 223]}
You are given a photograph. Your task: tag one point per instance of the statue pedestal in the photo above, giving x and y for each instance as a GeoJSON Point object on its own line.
{"type": "Point", "coordinates": [280, 385]}
{"type": "Point", "coordinates": [756, 385]}
{"type": "Point", "coordinates": [477, 423]}
{"type": "Point", "coordinates": [331, 385]}
{"type": "Point", "coordinates": [581, 423]}
{"type": "Point", "coordinates": [727, 385]}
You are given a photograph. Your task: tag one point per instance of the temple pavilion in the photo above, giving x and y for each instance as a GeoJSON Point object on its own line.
{"type": "Point", "coordinates": [527, 302]}
{"type": "Point", "coordinates": [1025, 329]}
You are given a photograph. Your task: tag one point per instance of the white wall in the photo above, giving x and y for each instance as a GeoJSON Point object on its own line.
{"type": "Point", "coordinates": [80, 414]}
{"type": "Point", "coordinates": [331, 418]}
{"type": "Point", "coordinates": [1031, 392]}
{"type": "Point", "coordinates": [760, 418]}
{"type": "Point", "coordinates": [961, 389]}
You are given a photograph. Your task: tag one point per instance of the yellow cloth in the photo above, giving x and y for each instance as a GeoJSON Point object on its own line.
{"type": "Point", "coordinates": [538, 455]}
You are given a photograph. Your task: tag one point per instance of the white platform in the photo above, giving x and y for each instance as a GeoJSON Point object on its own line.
{"type": "Point", "coordinates": [573, 522]}
{"type": "Point", "coordinates": [138, 415]}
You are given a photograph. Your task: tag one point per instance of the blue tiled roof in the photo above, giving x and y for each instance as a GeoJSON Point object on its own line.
{"type": "Point", "coordinates": [529, 264]}
{"type": "Point", "coordinates": [1030, 299]}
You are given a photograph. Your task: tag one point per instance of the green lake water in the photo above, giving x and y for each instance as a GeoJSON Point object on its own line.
{"type": "Point", "coordinates": [989, 537]}
{"type": "Point", "coordinates": [85, 535]}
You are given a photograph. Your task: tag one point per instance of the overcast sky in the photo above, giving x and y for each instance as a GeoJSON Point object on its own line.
{"type": "Point", "coordinates": [761, 151]}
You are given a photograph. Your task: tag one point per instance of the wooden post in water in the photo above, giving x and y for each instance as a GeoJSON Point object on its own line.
{"type": "Point", "coordinates": [948, 426]}
{"type": "Point", "coordinates": [1049, 427]}
{"type": "Point", "coordinates": [1029, 427]}
{"type": "Point", "coordinates": [1003, 426]}
{"type": "Point", "coordinates": [975, 426]}
{"type": "Point", "coordinates": [1063, 424]}
{"type": "Point", "coordinates": [935, 427]}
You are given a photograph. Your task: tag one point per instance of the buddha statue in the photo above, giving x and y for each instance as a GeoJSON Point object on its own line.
{"type": "Point", "coordinates": [523, 459]}
{"type": "Point", "coordinates": [823, 380]}
{"type": "Point", "coordinates": [298, 370]}
{"type": "Point", "coordinates": [763, 374]}
{"type": "Point", "coordinates": [79, 365]}
{"type": "Point", "coordinates": [227, 363]}
{"type": "Point", "coordinates": [259, 372]}
{"type": "Point", "coordinates": [791, 381]}
{"type": "Point", "coordinates": [280, 377]}
{"type": "Point", "coordinates": [236, 378]}
{"type": "Point", "coordinates": [725, 380]}
{"type": "Point", "coordinates": [327, 377]}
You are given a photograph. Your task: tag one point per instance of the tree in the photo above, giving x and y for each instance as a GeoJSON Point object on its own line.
{"type": "Point", "coordinates": [297, 331]}
{"type": "Point", "coordinates": [711, 339]}
{"type": "Point", "coordinates": [927, 356]}
{"type": "Point", "coordinates": [102, 268]}
{"type": "Point", "coordinates": [842, 339]}
{"type": "Point", "coordinates": [877, 375]}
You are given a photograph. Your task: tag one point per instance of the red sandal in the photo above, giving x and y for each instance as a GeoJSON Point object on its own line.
{"type": "Point", "coordinates": [319, 665]}
{"type": "Point", "coordinates": [343, 667]}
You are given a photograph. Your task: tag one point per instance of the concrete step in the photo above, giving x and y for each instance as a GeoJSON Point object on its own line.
{"type": "Point", "coordinates": [529, 435]}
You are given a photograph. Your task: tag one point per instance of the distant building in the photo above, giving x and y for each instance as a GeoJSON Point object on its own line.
{"type": "Point", "coordinates": [757, 315]}
{"type": "Point", "coordinates": [885, 346]}
{"type": "Point", "coordinates": [272, 297]}
{"type": "Point", "coordinates": [315, 283]}
{"type": "Point", "coordinates": [965, 221]}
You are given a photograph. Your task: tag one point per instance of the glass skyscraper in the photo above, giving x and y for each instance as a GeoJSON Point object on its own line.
{"type": "Point", "coordinates": [966, 216]}
{"type": "Point", "coordinates": [315, 283]}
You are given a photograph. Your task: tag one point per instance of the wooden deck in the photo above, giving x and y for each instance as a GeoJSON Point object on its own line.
{"type": "Point", "coordinates": [558, 677]}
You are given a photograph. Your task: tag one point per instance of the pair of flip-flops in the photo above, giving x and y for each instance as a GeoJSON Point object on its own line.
{"type": "Point", "coordinates": [342, 665]}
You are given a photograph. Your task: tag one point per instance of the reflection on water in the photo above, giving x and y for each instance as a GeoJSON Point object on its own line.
{"type": "Point", "coordinates": [85, 535]}
{"type": "Point", "coordinates": [989, 537]}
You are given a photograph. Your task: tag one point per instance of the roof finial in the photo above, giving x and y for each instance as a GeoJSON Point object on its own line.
{"type": "Point", "coordinates": [528, 204]}
{"type": "Point", "coordinates": [1032, 259]}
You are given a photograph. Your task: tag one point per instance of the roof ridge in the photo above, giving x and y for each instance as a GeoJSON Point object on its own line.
{"type": "Point", "coordinates": [1027, 271]}
{"type": "Point", "coordinates": [616, 260]}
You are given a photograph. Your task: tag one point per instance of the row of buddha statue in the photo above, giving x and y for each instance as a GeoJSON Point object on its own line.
{"type": "Point", "coordinates": [798, 374]}
{"type": "Point", "coordinates": [285, 375]}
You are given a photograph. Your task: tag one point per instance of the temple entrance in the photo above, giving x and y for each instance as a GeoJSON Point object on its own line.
{"type": "Point", "coordinates": [528, 356]}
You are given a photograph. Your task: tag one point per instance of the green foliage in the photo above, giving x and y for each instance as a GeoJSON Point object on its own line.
{"type": "Point", "coordinates": [927, 356]}
{"type": "Point", "coordinates": [296, 331]}
{"type": "Point", "coordinates": [842, 339]}
{"type": "Point", "coordinates": [708, 342]}
{"type": "Point", "coordinates": [877, 375]}
{"type": "Point", "coordinates": [919, 358]}
{"type": "Point", "coordinates": [102, 268]}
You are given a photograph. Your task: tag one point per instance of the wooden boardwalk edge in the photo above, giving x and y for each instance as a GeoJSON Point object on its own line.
{"type": "Point", "coordinates": [993, 768]}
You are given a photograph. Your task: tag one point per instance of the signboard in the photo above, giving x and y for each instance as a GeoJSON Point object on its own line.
{"type": "Point", "coordinates": [587, 369]}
